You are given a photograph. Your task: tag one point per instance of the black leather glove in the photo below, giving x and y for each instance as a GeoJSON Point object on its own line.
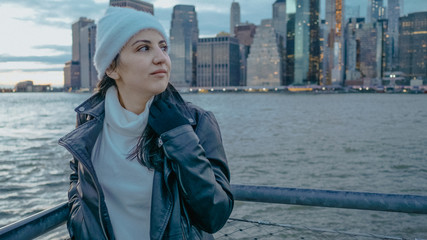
{"type": "Point", "coordinates": [165, 116]}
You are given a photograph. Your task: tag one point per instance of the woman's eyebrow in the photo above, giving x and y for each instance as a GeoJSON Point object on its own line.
{"type": "Point", "coordinates": [144, 41]}
{"type": "Point", "coordinates": [147, 41]}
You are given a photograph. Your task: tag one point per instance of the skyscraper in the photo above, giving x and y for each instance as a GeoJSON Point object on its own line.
{"type": "Point", "coordinates": [413, 45]}
{"type": "Point", "coordinates": [76, 27]}
{"type": "Point", "coordinates": [393, 14]}
{"type": "Point", "coordinates": [370, 37]}
{"type": "Point", "coordinates": [245, 34]}
{"type": "Point", "coordinates": [376, 10]}
{"type": "Point", "coordinates": [71, 76]}
{"type": "Point", "coordinates": [218, 62]}
{"type": "Point", "coordinates": [264, 60]}
{"type": "Point", "coordinates": [279, 25]}
{"type": "Point", "coordinates": [324, 29]}
{"type": "Point", "coordinates": [234, 16]}
{"type": "Point", "coordinates": [353, 48]}
{"type": "Point", "coordinates": [383, 44]}
{"type": "Point", "coordinates": [184, 34]}
{"type": "Point", "coordinates": [365, 50]}
{"type": "Point", "coordinates": [73, 69]}
{"type": "Point", "coordinates": [279, 17]}
{"type": "Point", "coordinates": [88, 73]}
{"type": "Point", "coordinates": [303, 44]}
{"type": "Point", "coordinates": [334, 51]}
{"type": "Point", "coordinates": [135, 4]}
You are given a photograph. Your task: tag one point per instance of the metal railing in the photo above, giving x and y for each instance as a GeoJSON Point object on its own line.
{"type": "Point", "coordinates": [41, 223]}
{"type": "Point", "coordinates": [334, 199]}
{"type": "Point", "coordinates": [37, 224]}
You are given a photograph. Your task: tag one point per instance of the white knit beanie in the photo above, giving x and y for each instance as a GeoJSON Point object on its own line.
{"type": "Point", "coordinates": [115, 28]}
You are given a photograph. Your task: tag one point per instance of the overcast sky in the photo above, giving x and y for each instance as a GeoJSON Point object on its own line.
{"type": "Point", "coordinates": [36, 41]}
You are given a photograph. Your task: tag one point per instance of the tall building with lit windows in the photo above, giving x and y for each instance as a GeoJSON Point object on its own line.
{"type": "Point", "coordinates": [218, 62]}
{"type": "Point", "coordinates": [302, 42]}
{"type": "Point", "coordinates": [413, 45]}
{"type": "Point", "coordinates": [184, 34]}
{"type": "Point", "coordinates": [135, 4]}
{"type": "Point", "coordinates": [234, 16]}
{"type": "Point", "coordinates": [375, 11]}
{"type": "Point", "coordinates": [264, 60]}
{"type": "Point", "coordinates": [393, 13]}
{"type": "Point", "coordinates": [323, 47]}
{"type": "Point", "coordinates": [334, 51]}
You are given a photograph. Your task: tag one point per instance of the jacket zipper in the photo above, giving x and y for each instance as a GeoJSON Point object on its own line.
{"type": "Point", "coordinates": [96, 186]}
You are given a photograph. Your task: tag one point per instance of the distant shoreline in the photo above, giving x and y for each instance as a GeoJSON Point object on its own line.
{"type": "Point", "coordinates": [280, 89]}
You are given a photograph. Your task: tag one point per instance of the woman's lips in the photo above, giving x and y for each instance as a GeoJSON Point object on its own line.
{"type": "Point", "coordinates": [160, 71]}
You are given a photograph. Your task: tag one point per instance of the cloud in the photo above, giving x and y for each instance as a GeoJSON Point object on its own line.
{"type": "Point", "coordinates": [56, 59]}
{"type": "Point", "coordinates": [58, 69]}
{"type": "Point", "coordinates": [57, 48]}
{"type": "Point", "coordinates": [59, 14]}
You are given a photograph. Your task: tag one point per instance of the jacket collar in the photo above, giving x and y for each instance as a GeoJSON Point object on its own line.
{"type": "Point", "coordinates": [94, 106]}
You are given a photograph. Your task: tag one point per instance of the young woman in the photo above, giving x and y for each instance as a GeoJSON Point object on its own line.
{"type": "Point", "coordinates": [146, 164]}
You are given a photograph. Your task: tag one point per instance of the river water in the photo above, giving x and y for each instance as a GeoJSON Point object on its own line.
{"type": "Point", "coordinates": [355, 142]}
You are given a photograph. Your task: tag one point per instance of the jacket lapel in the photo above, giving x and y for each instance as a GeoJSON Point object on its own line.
{"type": "Point", "coordinates": [81, 140]}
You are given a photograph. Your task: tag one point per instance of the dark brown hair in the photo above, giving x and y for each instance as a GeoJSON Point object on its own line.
{"type": "Point", "coordinates": [106, 82]}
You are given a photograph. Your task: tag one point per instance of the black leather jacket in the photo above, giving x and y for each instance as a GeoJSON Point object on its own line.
{"type": "Point", "coordinates": [191, 195]}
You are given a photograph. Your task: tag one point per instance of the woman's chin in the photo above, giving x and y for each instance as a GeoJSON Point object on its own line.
{"type": "Point", "coordinates": [160, 87]}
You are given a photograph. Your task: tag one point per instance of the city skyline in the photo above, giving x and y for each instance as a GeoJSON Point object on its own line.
{"type": "Point", "coordinates": [42, 45]}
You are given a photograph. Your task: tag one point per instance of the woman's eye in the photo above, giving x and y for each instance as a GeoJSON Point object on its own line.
{"type": "Point", "coordinates": [164, 48]}
{"type": "Point", "coordinates": [143, 49]}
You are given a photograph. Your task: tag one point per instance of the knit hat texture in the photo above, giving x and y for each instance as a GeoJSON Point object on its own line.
{"type": "Point", "coordinates": [115, 28]}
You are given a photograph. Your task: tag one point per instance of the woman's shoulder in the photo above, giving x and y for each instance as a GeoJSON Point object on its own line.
{"type": "Point", "coordinates": [193, 107]}
{"type": "Point", "coordinates": [196, 110]}
{"type": "Point", "coordinates": [199, 114]}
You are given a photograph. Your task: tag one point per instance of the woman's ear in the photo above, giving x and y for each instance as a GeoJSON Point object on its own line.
{"type": "Point", "coordinates": [112, 73]}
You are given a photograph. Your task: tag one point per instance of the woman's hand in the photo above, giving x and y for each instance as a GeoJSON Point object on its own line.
{"type": "Point", "coordinates": [165, 116]}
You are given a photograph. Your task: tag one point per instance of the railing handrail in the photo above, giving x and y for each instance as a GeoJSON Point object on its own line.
{"type": "Point", "coordinates": [37, 224]}
{"type": "Point", "coordinates": [404, 203]}
{"type": "Point", "coordinates": [41, 223]}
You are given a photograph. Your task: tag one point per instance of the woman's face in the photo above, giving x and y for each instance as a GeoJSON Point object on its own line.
{"type": "Point", "coordinates": [143, 66]}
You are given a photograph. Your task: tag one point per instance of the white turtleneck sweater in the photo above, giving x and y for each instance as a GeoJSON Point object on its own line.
{"type": "Point", "coordinates": [127, 184]}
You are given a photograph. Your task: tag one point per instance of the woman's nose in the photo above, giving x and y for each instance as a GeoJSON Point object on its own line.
{"type": "Point", "coordinates": [159, 56]}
